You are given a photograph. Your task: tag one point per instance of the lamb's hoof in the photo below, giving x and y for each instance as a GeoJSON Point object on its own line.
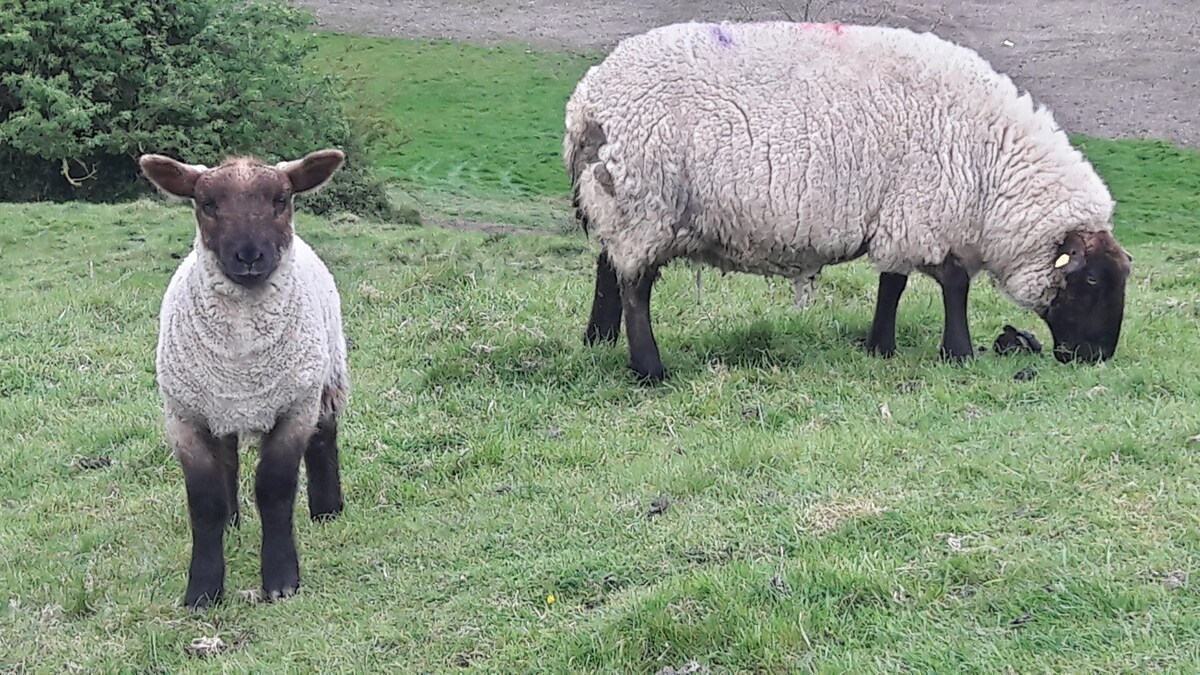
{"type": "Point", "coordinates": [649, 375]}
{"type": "Point", "coordinates": [595, 335]}
{"type": "Point", "coordinates": [325, 515]}
{"type": "Point", "coordinates": [883, 350]}
{"type": "Point", "coordinates": [200, 599]}
{"type": "Point", "coordinates": [281, 587]}
{"type": "Point", "coordinates": [282, 593]}
{"type": "Point", "coordinates": [956, 357]}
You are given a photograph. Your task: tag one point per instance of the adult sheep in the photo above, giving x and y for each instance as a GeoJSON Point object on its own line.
{"type": "Point", "coordinates": [778, 148]}
{"type": "Point", "coordinates": [250, 344]}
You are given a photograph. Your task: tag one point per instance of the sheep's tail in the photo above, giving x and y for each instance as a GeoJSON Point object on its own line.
{"type": "Point", "coordinates": [581, 147]}
{"type": "Point", "coordinates": [336, 393]}
{"type": "Point", "coordinates": [581, 152]}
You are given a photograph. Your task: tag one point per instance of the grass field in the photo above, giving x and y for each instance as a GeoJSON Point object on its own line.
{"type": "Point", "coordinates": [458, 120]}
{"type": "Point", "coordinates": [827, 511]}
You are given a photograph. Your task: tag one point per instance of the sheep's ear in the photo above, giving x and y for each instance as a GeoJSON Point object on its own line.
{"type": "Point", "coordinates": [313, 170]}
{"type": "Point", "coordinates": [1071, 255]}
{"type": "Point", "coordinates": [172, 177]}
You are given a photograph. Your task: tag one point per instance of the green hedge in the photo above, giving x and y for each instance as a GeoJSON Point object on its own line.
{"type": "Point", "coordinates": [88, 85]}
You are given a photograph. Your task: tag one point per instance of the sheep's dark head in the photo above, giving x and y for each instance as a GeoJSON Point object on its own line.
{"type": "Point", "coordinates": [244, 207]}
{"type": "Point", "coordinates": [1085, 316]}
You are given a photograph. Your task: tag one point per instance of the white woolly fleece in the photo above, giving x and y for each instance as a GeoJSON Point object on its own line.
{"type": "Point", "coordinates": [777, 148]}
{"type": "Point", "coordinates": [238, 358]}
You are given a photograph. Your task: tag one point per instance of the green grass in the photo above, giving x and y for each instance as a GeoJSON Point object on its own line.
{"type": "Point", "coordinates": [460, 116]}
{"type": "Point", "coordinates": [1156, 185]}
{"type": "Point", "coordinates": [490, 460]}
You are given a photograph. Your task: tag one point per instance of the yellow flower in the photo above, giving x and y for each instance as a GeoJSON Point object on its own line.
{"type": "Point", "coordinates": [549, 599]}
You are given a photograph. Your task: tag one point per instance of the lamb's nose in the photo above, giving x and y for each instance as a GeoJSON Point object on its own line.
{"type": "Point", "coordinates": [249, 254]}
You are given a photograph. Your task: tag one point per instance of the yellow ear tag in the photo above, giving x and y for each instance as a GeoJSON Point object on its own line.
{"type": "Point", "coordinates": [1062, 261]}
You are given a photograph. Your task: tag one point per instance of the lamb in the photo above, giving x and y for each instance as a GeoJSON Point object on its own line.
{"type": "Point", "coordinates": [250, 345]}
{"type": "Point", "coordinates": [777, 148]}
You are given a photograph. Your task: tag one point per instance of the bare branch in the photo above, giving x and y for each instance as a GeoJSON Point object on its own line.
{"type": "Point", "coordinates": [77, 182]}
{"type": "Point", "coordinates": [814, 9]}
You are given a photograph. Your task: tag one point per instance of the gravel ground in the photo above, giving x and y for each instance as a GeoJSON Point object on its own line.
{"type": "Point", "coordinates": [1110, 68]}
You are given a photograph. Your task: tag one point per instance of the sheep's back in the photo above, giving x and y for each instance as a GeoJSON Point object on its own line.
{"type": "Point", "coordinates": [773, 146]}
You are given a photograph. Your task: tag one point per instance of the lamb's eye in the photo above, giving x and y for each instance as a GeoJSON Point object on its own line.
{"type": "Point", "coordinates": [209, 206]}
{"type": "Point", "coordinates": [1092, 281]}
{"type": "Point", "coordinates": [280, 202]}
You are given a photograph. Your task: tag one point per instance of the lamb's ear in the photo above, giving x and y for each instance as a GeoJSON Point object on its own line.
{"type": "Point", "coordinates": [313, 170]}
{"type": "Point", "coordinates": [1071, 255]}
{"type": "Point", "coordinates": [172, 177]}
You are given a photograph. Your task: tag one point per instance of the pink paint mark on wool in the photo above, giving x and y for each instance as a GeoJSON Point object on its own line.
{"type": "Point", "coordinates": [835, 28]}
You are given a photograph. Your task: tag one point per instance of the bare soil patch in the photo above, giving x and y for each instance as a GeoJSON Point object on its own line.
{"type": "Point", "coordinates": [1109, 68]}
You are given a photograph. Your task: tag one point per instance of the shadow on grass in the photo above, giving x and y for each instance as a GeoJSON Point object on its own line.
{"type": "Point", "coordinates": [789, 344]}
{"type": "Point", "coordinates": [564, 364]}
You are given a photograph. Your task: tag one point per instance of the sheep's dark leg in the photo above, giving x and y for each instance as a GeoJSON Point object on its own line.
{"type": "Point", "coordinates": [324, 480]}
{"type": "Point", "coordinates": [955, 282]}
{"type": "Point", "coordinates": [604, 325]}
{"type": "Point", "coordinates": [644, 358]}
{"type": "Point", "coordinates": [228, 459]}
{"type": "Point", "coordinates": [882, 339]}
{"type": "Point", "coordinates": [198, 452]}
{"type": "Point", "coordinates": [275, 492]}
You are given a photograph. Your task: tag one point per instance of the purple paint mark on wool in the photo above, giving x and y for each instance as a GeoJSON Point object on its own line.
{"type": "Point", "coordinates": [722, 36]}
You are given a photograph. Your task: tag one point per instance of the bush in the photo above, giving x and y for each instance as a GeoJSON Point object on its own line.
{"type": "Point", "coordinates": [88, 85]}
{"type": "Point", "coordinates": [354, 188]}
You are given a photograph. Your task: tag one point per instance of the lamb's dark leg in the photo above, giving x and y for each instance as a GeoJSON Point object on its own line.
{"type": "Point", "coordinates": [275, 492]}
{"type": "Point", "coordinates": [882, 339]}
{"type": "Point", "coordinates": [604, 325]}
{"type": "Point", "coordinates": [324, 480]}
{"type": "Point", "coordinates": [228, 459]}
{"type": "Point", "coordinates": [198, 452]}
{"type": "Point", "coordinates": [955, 282]}
{"type": "Point", "coordinates": [644, 358]}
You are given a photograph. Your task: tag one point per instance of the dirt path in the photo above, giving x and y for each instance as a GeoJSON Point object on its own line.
{"type": "Point", "coordinates": [1112, 68]}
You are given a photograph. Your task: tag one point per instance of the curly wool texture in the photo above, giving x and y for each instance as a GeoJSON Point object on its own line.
{"type": "Point", "coordinates": [237, 359]}
{"type": "Point", "coordinates": [778, 148]}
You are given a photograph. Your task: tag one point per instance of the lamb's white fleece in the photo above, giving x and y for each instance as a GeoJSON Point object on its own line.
{"type": "Point", "coordinates": [238, 359]}
{"type": "Point", "coordinates": [777, 148]}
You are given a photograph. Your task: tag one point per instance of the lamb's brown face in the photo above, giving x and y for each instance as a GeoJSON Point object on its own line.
{"type": "Point", "coordinates": [244, 207]}
{"type": "Point", "coordinates": [1085, 317]}
{"type": "Point", "coordinates": [244, 212]}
